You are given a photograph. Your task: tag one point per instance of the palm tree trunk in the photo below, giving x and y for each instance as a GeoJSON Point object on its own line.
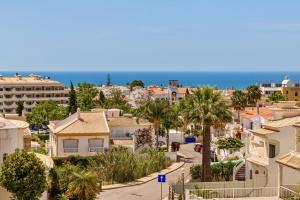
{"type": "Point", "coordinates": [168, 139]}
{"type": "Point", "coordinates": [239, 116]}
{"type": "Point", "coordinates": [156, 130]}
{"type": "Point", "coordinates": [206, 170]}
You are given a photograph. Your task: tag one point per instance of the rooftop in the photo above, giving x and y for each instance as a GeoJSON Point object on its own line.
{"type": "Point", "coordinates": [80, 123]}
{"type": "Point", "coordinates": [284, 122]}
{"type": "Point", "coordinates": [31, 79]}
{"type": "Point", "coordinates": [291, 159]}
{"type": "Point", "coordinates": [264, 112]}
{"type": "Point", "coordinates": [126, 121]}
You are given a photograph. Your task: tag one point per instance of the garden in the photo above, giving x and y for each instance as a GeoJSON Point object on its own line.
{"type": "Point", "coordinates": [115, 166]}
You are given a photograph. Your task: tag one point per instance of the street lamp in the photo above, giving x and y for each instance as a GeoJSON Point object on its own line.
{"type": "Point", "coordinates": [182, 177]}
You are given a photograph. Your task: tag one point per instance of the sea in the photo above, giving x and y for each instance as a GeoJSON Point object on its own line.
{"type": "Point", "coordinates": [221, 80]}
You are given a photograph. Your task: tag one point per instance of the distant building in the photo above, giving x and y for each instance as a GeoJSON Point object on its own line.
{"type": "Point", "coordinates": [83, 133]}
{"type": "Point", "coordinates": [268, 88]}
{"type": "Point", "coordinates": [290, 90]}
{"type": "Point", "coordinates": [30, 90]}
{"type": "Point", "coordinates": [172, 93]}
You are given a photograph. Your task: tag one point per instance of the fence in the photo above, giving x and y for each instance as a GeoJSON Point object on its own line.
{"type": "Point", "coordinates": [200, 193]}
{"type": "Point", "coordinates": [289, 192]}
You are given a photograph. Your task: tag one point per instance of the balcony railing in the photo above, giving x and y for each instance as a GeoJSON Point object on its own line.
{"type": "Point", "coordinates": [96, 149]}
{"type": "Point", "coordinates": [70, 150]}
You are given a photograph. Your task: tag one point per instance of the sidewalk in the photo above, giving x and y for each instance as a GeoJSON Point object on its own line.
{"type": "Point", "coordinates": [145, 179]}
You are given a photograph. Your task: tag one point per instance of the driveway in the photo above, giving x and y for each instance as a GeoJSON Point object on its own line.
{"type": "Point", "coordinates": [152, 189]}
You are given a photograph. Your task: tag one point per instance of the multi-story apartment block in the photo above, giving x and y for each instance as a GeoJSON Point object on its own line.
{"type": "Point", "coordinates": [30, 90]}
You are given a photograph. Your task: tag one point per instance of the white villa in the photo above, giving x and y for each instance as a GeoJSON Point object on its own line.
{"type": "Point", "coordinates": [266, 145]}
{"type": "Point", "coordinates": [83, 133]}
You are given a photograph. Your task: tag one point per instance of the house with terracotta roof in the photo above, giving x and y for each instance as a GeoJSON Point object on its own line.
{"type": "Point", "coordinates": [273, 142]}
{"type": "Point", "coordinates": [83, 133]}
{"type": "Point", "coordinates": [251, 119]}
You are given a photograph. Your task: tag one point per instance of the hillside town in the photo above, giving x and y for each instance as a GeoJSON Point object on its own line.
{"type": "Point", "coordinates": [109, 142]}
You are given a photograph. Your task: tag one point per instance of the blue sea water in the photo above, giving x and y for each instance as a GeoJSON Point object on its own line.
{"type": "Point", "coordinates": [219, 79]}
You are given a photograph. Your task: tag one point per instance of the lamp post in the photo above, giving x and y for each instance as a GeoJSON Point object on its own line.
{"type": "Point", "coordinates": [182, 177]}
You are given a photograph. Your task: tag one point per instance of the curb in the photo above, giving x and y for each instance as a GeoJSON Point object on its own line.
{"type": "Point", "coordinates": [111, 187]}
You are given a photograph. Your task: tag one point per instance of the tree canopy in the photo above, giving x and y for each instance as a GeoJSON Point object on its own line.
{"type": "Point", "coordinates": [254, 94]}
{"type": "Point", "coordinates": [136, 83]}
{"type": "Point", "coordinates": [276, 97]}
{"type": "Point", "coordinates": [46, 111]}
{"type": "Point", "coordinates": [229, 143]}
{"type": "Point", "coordinates": [117, 100]}
{"type": "Point", "coordinates": [23, 174]}
{"type": "Point", "coordinates": [86, 94]}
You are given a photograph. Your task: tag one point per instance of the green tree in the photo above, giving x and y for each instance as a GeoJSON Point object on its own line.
{"type": "Point", "coordinates": [72, 99]}
{"type": "Point", "coordinates": [20, 107]}
{"type": "Point", "coordinates": [171, 120]}
{"type": "Point", "coordinates": [254, 94]}
{"type": "Point", "coordinates": [207, 108]}
{"type": "Point", "coordinates": [46, 111]}
{"type": "Point", "coordinates": [229, 143]}
{"type": "Point", "coordinates": [23, 174]}
{"type": "Point", "coordinates": [154, 111]}
{"type": "Point", "coordinates": [276, 97]}
{"type": "Point", "coordinates": [136, 83]}
{"type": "Point", "coordinates": [102, 98]}
{"type": "Point", "coordinates": [86, 94]}
{"type": "Point", "coordinates": [239, 101]}
{"type": "Point", "coordinates": [116, 100]}
{"type": "Point", "coordinates": [83, 185]}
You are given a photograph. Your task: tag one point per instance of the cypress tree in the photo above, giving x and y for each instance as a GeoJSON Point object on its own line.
{"type": "Point", "coordinates": [101, 98]}
{"type": "Point", "coordinates": [72, 99]}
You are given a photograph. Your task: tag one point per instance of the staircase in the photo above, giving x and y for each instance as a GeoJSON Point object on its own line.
{"type": "Point", "coordinates": [241, 173]}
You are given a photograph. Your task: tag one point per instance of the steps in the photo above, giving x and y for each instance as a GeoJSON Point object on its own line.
{"type": "Point", "coordinates": [241, 174]}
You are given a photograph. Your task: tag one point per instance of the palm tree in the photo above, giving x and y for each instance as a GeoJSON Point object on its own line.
{"type": "Point", "coordinates": [207, 108]}
{"type": "Point", "coordinates": [239, 101]}
{"type": "Point", "coordinates": [253, 95]}
{"type": "Point", "coordinates": [83, 185]}
{"type": "Point", "coordinates": [154, 111]}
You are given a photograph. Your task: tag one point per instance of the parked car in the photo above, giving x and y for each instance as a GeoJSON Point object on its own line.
{"type": "Point", "coordinates": [198, 147]}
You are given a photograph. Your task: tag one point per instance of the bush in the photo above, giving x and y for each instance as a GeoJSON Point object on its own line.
{"type": "Point", "coordinates": [229, 143]}
{"type": "Point", "coordinates": [80, 161]}
{"type": "Point", "coordinates": [195, 171]}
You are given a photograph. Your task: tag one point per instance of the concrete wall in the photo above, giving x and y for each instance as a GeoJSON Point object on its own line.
{"type": "Point", "coordinates": [10, 139]}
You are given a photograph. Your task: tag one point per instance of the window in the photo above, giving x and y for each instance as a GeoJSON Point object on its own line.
{"type": "Point", "coordinates": [251, 125]}
{"type": "Point", "coordinates": [272, 150]}
{"type": "Point", "coordinates": [287, 92]}
{"type": "Point", "coordinates": [96, 145]}
{"type": "Point", "coordinates": [70, 145]}
{"type": "Point", "coordinates": [296, 94]}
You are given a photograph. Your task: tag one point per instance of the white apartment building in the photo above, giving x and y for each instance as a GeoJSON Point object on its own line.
{"type": "Point", "coordinates": [30, 90]}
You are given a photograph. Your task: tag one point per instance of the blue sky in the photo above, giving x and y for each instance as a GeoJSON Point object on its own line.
{"type": "Point", "coordinates": [150, 35]}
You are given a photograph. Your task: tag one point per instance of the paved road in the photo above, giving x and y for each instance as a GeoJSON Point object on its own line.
{"type": "Point", "coordinates": [151, 190]}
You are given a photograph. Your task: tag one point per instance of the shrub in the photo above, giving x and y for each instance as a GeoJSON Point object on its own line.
{"type": "Point", "coordinates": [229, 143]}
{"type": "Point", "coordinates": [195, 171]}
{"type": "Point", "coordinates": [23, 174]}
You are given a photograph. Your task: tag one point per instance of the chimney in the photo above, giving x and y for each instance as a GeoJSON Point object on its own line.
{"type": "Point", "coordinates": [78, 113]}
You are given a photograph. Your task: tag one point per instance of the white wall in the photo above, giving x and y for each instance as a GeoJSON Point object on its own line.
{"type": "Point", "coordinates": [83, 145]}
{"type": "Point", "coordinates": [10, 139]}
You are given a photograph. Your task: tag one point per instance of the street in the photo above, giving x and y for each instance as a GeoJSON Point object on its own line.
{"type": "Point", "coordinates": [152, 189]}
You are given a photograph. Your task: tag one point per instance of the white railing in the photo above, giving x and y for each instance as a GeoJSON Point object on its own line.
{"type": "Point", "coordinates": [96, 149]}
{"type": "Point", "coordinates": [288, 192]}
{"type": "Point", "coordinates": [200, 193]}
{"type": "Point", "coordinates": [70, 150]}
